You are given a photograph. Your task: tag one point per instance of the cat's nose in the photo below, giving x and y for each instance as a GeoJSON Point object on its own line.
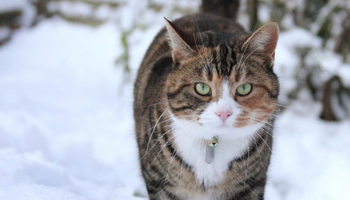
{"type": "Point", "coordinates": [223, 114]}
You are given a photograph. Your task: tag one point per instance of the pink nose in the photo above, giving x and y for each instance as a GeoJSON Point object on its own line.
{"type": "Point", "coordinates": [223, 114]}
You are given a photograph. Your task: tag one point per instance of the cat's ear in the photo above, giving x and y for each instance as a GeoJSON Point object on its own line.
{"type": "Point", "coordinates": [263, 41]}
{"type": "Point", "coordinates": [180, 41]}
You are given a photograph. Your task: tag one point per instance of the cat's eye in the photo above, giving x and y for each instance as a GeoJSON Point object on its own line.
{"type": "Point", "coordinates": [244, 89]}
{"type": "Point", "coordinates": [202, 89]}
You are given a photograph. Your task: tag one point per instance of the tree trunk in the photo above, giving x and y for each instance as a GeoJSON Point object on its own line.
{"type": "Point", "coordinates": [252, 9]}
{"type": "Point", "coordinates": [329, 91]}
{"type": "Point", "coordinates": [342, 45]}
{"type": "Point", "coordinates": [225, 8]}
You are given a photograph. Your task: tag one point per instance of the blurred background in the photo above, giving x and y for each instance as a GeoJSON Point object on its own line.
{"type": "Point", "coordinates": [66, 75]}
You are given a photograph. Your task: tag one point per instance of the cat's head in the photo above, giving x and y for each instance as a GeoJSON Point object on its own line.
{"type": "Point", "coordinates": [222, 84]}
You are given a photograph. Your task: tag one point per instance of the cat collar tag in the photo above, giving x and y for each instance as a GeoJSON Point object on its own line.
{"type": "Point", "coordinates": [209, 150]}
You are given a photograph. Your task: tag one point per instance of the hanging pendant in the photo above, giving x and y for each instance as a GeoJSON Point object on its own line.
{"type": "Point", "coordinates": [209, 150]}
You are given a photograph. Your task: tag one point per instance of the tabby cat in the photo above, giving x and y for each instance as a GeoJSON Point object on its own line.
{"type": "Point", "coordinates": [204, 100]}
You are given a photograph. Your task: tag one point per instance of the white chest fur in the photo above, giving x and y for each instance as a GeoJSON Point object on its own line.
{"type": "Point", "coordinates": [193, 152]}
{"type": "Point", "coordinates": [190, 138]}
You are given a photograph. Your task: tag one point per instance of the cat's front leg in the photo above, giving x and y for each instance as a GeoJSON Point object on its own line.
{"type": "Point", "coordinates": [161, 194]}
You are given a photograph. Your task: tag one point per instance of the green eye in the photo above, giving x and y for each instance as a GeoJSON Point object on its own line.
{"type": "Point", "coordinates": [244, 89]}
{"type": "Point", "coordinates": [202, 89]}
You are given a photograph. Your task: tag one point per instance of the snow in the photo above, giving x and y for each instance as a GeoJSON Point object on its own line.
{"type": "Point", "coordinates": [344, 73]}
{"type": "Point", "coordinates": [63, 128]}
{"type": "Point", "coordinates": [331, 64]}
{"type": "Point", "coordinates": [71, 9]}
{"type": "Point", "coordinates": [310, 158]}
{"type": "Point", "coordinates": [66, 126]}
{"type": "Point", "coordinates": [7, 5]}
{"type": "Point", "coordinates": [300, 38]}
{"type": "Point", "coordinates": [4, 33]}
{"type": "Point", "coordinates": [28, 11]}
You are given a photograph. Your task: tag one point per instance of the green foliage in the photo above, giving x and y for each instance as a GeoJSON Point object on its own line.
{"type": "Point", "coordinates": [312, 9]}
{"type": "Point", "coordinates": [124, 58]}
{"type": "Point", "coordinates": [278, 11]}
{"type": "Point", "coordinates": [325, 31]}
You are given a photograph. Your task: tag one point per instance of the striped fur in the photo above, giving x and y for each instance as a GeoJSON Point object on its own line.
{"type": "Point", "coordinates": [164, 92]}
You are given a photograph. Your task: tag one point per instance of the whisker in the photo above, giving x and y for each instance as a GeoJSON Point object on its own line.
{"type": "Point", "coordinates": [149, 140]}
{"type": "Point", "coordinates": [246, 167]}
{"type": "Point", "coordinates": [249, 55]}
{"type": "Point", "coordinates": [158, 103]}
{"type": "Point", "coordinates": [159, 152]}
{"type": "Point", "coordinates": [153, 127]}
{"type": "Point", "coordinates": [239, 64]}
{"type": "Point", "coordinates": [257, 148]}
{"type": "Point", "coordinates": [156, 142]}
{"type": "Point", "coordinates": [169, 165]}
{"type": "Point", "coordinates": [264, 141]}
{"type": "Point", "coordinates": [203, 64]}
{"type": "Point", "coordinates": [205, 50]}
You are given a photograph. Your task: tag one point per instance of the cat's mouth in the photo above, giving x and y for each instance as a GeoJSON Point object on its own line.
{"type": "Point", "coordinates": [206, 129]}
{"type": "Point", "coordinates": [219, 128]}
{"type": "Point", "coordinates": [229, 131]}
{"type": "Point", "coordinates": [224, 126]}
{"type": "Point", "coordinates": [229, 124]}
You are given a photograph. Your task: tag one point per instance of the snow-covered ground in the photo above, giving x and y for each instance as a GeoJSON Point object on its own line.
{"type": "Point", "coordinates": [66, 126]}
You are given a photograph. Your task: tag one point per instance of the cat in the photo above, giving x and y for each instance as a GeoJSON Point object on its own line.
{"type": "Point", "coordinates": [204, 102]}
